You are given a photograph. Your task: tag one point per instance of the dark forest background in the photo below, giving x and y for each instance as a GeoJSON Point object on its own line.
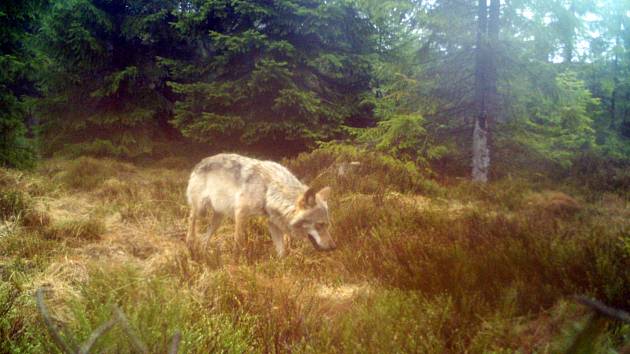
{"type": "Point", "coordinates": [548, 81]}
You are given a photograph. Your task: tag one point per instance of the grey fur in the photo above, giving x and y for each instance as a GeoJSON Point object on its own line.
{"type": "Point", "coordinates": [238, 187]}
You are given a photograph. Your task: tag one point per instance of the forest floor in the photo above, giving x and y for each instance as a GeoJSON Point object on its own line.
{"type": "Point", "coordinates": [458, 269]}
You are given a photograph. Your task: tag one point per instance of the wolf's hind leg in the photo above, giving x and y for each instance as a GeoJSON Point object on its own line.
{"type": "Point", "coordinates": [215, 223]}
{"type": "Point", "coordinates": [197, 210]}
{"type": "Point", "coordinates": [192, 218]}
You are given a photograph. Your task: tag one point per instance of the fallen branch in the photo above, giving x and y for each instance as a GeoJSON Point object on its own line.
{"type": "Point", "coordinates": [174, 347]}
{"type": "Point", "coordinates": [50, 325]}
{"type": "Point", "coordinates": [137, 343]}
{"type": "Point", "coordinates": [596, 324]}
{"type": "Point", "coordinates": [602, 309]}
{"type": "Point", "coordinates": [85, 347]}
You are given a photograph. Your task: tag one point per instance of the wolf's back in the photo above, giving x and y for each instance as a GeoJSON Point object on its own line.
{"type": "Point", "coordinates": [221, 179]}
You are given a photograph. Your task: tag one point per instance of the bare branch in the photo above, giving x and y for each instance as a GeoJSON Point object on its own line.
{"type": "Point", "coordinates": [50, 325]}
{"type": "Point", "coordinates": [137, 343]}
{"type": "Point", "coordinates": [174, 347]}
{"type": "Point", "coordinates": [87, 345]}
{"type": "Point", "coordinates": [602, 309]}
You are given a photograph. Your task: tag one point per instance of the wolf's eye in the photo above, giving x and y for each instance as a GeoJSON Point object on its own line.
{"type": "Point", "coordinates": [320, 225]}
{"type": "Point", "coordinates": [299, 224]}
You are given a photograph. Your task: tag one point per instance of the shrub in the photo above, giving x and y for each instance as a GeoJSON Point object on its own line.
{"type": "Point", "coordinates": [284, 311]}
{"type": "Point", "coordinates": [553, 202]}
{"type": "Point", "coordinates": [19, 206]}
{"type": "Point", "coordinates": [13, 204]}
{"type": "Point", "coordinates": [86, 173]}
{"type": "Point", "coordinates": [175, 163]}
{"type": "Point", "coordinates": [29, 246]}
{"type": "Point", "coordinates": [19, 330]}
{"type": "Point", "coordinates": [595, 173]}
{"type": "Point", "coordinates": [156, 308]}
{"type": "Point", "coordinates": [394, 321]}
{"type": "Point", "coordinates": [113, 189]}
{"type": "Point", "coordinates": [479, 254]}
{"type": "Point", "coordinates": [158, 193]}
{"type": "Point", "coordinates": [83, 228]}
{"type": "Point", "coordinates": [509, 193]}
{"type": "Point", "coordinates": [375, 173]}
{"type": "Point", "coordinates": [133, 148]}
{"type": "Point", "coordinates": [36, 218]}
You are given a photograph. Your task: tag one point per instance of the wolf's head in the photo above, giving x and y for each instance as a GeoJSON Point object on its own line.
{"type": "Point", "coordinates": [311, 218]}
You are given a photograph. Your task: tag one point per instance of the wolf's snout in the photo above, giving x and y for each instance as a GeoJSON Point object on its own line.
{"type": "Point", "coordinates": [314, 242]}
{"type": "Point", "coordinates": [329, 246]}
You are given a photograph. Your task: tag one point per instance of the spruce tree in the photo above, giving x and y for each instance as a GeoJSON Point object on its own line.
{"type": "Point", "coordinates": [17, 19]}
{"type": "Point", "coordinates": [264, 72]}
{"type": "Point", "coordinates": [105, 92]}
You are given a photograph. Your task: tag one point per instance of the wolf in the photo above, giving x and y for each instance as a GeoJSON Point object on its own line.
{"type": "Point", "coordinates": [240, 187]}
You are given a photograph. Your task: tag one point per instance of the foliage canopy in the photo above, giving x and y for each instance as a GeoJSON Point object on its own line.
{"type": "Point", "coordinates": [118, 78]}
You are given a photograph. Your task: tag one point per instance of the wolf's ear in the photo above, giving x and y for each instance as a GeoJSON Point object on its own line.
{"type": "Point", "coordinates": [307, 199]}
{"type": "Point", "coordinates": [324, 193]}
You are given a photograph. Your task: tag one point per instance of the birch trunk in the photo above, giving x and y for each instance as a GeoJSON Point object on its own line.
{"type": "Point", "coordinates": [481, 154]}
{"type": "Point", "coordinates": [486, 95]}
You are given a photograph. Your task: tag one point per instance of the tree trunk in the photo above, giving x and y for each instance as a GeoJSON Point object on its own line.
{"type": "Point", "coordinates": [615, 74]}
{"type": "Point", "coordinates": [481, 153]}
{"type": "Point", "coordinates": [613, 94]}
{"type": "Point", "coordinates": [569, 46]}
{"type": "Point", "coordinates": [491, 60]}
{"type": "Point", "coordinates": [486, 95]}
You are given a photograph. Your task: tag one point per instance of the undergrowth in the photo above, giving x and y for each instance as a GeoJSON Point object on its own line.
{"type": "Point", "coordinates": [374, 173]}
{"type": "Point", "coordinates": [419, 267]}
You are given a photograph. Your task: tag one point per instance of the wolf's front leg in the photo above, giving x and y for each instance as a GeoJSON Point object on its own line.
{"type": "Point", "coordinates": [278, 239]}
{"type": "Point", "coordinates": [240, 223]}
